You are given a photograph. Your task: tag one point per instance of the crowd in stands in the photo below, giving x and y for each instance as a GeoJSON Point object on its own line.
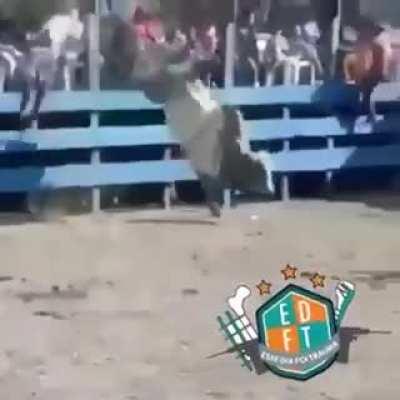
{"type": "Point", "coordinates": [265, 52]}
{"type": "Point", "coordinates": [297, 53]}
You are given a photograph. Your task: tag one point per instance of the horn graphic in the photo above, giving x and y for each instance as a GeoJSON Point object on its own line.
{"type": "Point", "coordinates": [344, 292]}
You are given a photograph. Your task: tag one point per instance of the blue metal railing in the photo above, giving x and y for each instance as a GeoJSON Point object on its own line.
{"type": "Point", "coordinates": [335, 108]}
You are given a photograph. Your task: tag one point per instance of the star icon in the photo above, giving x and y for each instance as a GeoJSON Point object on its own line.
{"type": "Point", "coordinates": [289, 272]}
{"type": "Point", "coordinates": [264, 288]}
{"type": "Point", "coordinates": [318, 280]}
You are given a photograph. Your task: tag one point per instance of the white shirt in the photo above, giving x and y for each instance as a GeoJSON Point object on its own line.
{"type": "Point", "coordinates": [62, 27]}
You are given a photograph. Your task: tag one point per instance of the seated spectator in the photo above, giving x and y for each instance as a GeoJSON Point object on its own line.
{"type": "Point", "coordinates": [204, 52]}
{"type": "Point", "coordinates": [274, 56]}
{"type": "Point", "coordinates": [290, 55]}
{"type": "Point", "coordinates": [304, 45]}
{"type": "Point", "coordinates": [246, 58]}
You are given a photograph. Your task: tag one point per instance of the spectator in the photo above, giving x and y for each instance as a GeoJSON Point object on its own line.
{"type": "Point", "coordinates": [61, 29]}
{"type": "Point", "coordinates": [204, 53]}
{"type": "Point", "coordinates": [368, 64]}
{"type": "Point", "coordinates": [148, 27]}
{"type": "Point", "coordinates": [138, 21]}
{"type": "Point", "coordinates": [304, 45]}
{"type": "Point", "coordinates": [325, 12]}
{"type": "Point", "coordinates": [246, 59]}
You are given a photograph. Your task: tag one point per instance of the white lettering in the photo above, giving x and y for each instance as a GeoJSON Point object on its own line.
{"type": "Point", "coordinates": [284, 314]}
{"type": "Point", "coordinates": [286, 339]}
{"type": "Point", "coordinates": [304, 311]}
{"type": "Point", "coordinates": [306, 335]}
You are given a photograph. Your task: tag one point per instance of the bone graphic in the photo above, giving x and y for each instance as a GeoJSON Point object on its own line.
{"type": "Point", "coordinates": [344, 292]}
{"type": "Point", "coordinates": [236, 303]}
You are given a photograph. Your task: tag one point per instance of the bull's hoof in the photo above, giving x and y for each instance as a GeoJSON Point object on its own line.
{"type": "Point", "coordinates": [214, 193]}
{"type": "Point", "coordinates": [215, 209]}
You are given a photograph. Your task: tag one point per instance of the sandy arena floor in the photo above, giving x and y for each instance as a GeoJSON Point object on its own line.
{"type": "Point", "coordinates": [123, 306]}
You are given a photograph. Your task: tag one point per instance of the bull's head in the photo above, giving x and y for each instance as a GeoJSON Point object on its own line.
{"type": "Point", "coordinates": [131, 57]}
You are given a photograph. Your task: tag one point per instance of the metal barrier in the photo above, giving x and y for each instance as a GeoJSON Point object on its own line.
{"type": "Point", "coordinates": [334, 111]}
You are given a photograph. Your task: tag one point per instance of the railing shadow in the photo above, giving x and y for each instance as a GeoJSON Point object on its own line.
{"type": "Point", "coordinates": [17, 175]}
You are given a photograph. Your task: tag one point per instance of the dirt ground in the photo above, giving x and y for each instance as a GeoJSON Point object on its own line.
{"type": "Point", "coordinates": [123, 306]}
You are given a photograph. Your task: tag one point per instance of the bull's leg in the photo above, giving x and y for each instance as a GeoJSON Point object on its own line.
{"type": "Point", "coordinates": [214, 192]}
{"type": "Point", "coordinates": [204, 151]}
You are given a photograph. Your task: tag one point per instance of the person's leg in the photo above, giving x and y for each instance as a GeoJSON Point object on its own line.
{"type": "Point", "coordinates": [40, 86]}
{"type": "Point", "coordinates": [254, 73]}
{"type": "Point", "coordinates": [24, 116]}
{"type": "Point", "coordinates": [324, 49]}
{"type": "Point", "coordinates": [367, 106]}
{"type": "Point", "coordinates": [26, 95]}
{"type": "Point", "coordinates": [25, 74]}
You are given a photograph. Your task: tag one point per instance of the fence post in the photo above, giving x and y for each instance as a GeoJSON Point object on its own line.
{"type": "Point", "coordinates": [3, 77]}
{"type": "Point", "coordinates": [285, 179]}
{"type": "Point", "coordinates": [335, 40]}
{"type": "Point", "coordinates": [170, 188]}
{"type": "Point", "coordinates": [95, 161]}
{"type": "Point", "coordinates": [230, 51]}
{"type": "Point", "coordinates": [329, 173]}
{"type": "Point", "coordinates": [230, 55]}
{"type": "Point", "coordinates": [94, 84]}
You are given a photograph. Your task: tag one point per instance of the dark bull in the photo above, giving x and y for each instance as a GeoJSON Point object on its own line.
{"type": "Point", "coordinates": [212, 136]}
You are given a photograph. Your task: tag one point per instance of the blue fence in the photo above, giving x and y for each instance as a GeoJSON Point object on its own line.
{"type": "Point", "coordinates": [327, 112]}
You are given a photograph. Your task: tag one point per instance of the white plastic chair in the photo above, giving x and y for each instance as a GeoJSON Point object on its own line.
{"type": "Point", "coordinates": [292, 67]}
{"type": "Point", "coordinates": [299, 66]}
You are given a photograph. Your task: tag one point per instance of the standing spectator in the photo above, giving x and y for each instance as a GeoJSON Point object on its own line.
{"type": "Point", "coordinates": [246, 59]}
{"type": "Point", "coordinates": [325, 12]}
{"type": "Point", "coordinates": [208, 63]}
{"type": "Point", "coordinates": [368, 64]}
